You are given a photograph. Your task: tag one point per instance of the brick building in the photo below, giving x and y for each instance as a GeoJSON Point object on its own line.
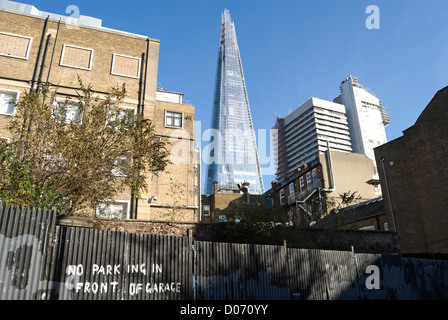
{"type": "Point", "coordinates": [39, 47]}
{"type": "Point", "coordinates": [413, 171]}
{"type": "Point", "coordinates": [315, 188]}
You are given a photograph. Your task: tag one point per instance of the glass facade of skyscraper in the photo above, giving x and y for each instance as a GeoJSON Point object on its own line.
{"type": "Point", "coordinates": [233, 159]}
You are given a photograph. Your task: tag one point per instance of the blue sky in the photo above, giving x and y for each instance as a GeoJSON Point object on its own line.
{"type": "Point", "coordinates": [291, 50]}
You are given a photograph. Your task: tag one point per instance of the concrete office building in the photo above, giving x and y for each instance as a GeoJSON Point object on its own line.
{"type": "Point", "coordinates": [366, 117]}
{"type": "Point", "coordinates": [307, 132]}
{"type": "Point", "coordinates": [104, 58]}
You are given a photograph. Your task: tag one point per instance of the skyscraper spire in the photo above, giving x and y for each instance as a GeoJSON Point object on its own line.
{"type": "Point", "coordinates": [234, 157]}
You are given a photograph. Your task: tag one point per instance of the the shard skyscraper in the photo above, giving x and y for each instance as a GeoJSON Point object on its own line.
{"type": "Point", "coordinates": [233, 155]}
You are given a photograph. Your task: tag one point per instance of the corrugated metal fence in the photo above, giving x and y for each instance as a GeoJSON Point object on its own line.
{"type": "Point", "coordinates": [39, 260]}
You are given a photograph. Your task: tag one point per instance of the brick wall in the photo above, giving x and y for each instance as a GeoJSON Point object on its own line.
{"type": "Point", "coordinates": [416, 167]}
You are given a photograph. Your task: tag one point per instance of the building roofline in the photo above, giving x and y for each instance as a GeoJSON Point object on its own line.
{"type": "Point", "coordinates": [83, 21]}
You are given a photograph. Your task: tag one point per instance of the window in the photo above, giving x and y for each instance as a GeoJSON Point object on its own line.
{"type": "Point", "coordinates": [120, 113]}
{"type": "Point", "coordinates": [125, 66]}
{"type": "Point", "coordinates": [118, 209]}
{"type": "Point", "coordinates": [66, 110]}
{"type": "Point", "coordinates": [173, 119]}
{"type": "Point", "coordinates": [291, 191]}
{"type": "Point", "coordinates": [76, 57]}
{"type": "Point", "coordinates": [308, 181]}
{"type": "Point", "coordinates": [118, 166]}
{"type": "Point", "coordinates": [4, 140]}
{"type": "Point", "coordinates": [302, 184]}
{"type": "Point", "coordinates": [282, 197]}
{"type": "Point", "coordinates": [15, 46]}
{"type": "Point", "coordinates": [315, 184]}
{"type": "Point", "coordinates": [7, 102]}
{"type": "Point", "coordinates": [206, 210]}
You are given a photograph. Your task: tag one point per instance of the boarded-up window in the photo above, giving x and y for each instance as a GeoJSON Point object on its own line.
{"type": "Point", "coordinates": [125, 66]}
{"type": "Point", "coordinates": [76, 57]}
{"type": "Point", "coordinates": [15, 46]}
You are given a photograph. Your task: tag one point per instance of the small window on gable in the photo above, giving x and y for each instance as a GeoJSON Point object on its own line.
{"type": "Point", "coordinates": [125, 66]}
{"type": "Point", "coordinates": [76, 57]}
{"type": "Point", "coordinates": [15, 46]}
{"type": "Point", "coordinates": [173, 119]}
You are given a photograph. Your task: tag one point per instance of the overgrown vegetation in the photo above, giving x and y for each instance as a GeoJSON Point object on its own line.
{"type": "Point", "coordinates": [70, 155]}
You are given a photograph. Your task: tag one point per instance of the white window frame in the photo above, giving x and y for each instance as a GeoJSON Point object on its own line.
{"type": "Point", "coordinates": [309, 181]}
{"type": "Point", "coordinates": [128, 202]}
{"type": "Point", "coordinates": [173, 126]}
{"type": "Point", "coordinates": [122, 107]}
{"type": "Point", "coordinates": [116, 172]}
{"type": "Point", "coordinates": [67, 106]}
{"type": "Point", "coordinates": [76, 67]}
{"type": "Point", "coordinates": [16, 99]}
{"type": "Point", "coordinates": [27, 51]}
{"type": "Point", "coordinates": [291, 190]}
{"type": "Point", "coordinates": [282, 197]}
{"type": "Point", "coordinates": [301, 184]}
{"type": "Point", "coordinates": [124, 75]}
{"type": "Point", "coordinates": [315, 180]}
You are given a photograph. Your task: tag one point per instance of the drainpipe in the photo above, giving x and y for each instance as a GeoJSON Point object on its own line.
{"type": "Point", "coordinates": [140, 85]}
{"type": "Point", "coordinates": [52, 54]}
{"type": "Point", "coordinates": [331, 186]}
{"type": "Point", "coordinates": [146, 74]}
{"type": "Point", "coordinates": [42, 64]}
{"type": "Point", "coordinates": [36, 66]}
{"type": "Point", "coordinates": [388, 195]}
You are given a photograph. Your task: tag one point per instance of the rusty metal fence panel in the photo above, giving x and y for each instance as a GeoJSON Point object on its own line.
{"type": "Point", "coordinates": [110, 265]}
{"type": "Point", "coordinates": [25, 237]}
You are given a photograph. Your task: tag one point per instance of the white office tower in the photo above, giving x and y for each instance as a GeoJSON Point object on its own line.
{"type": "Point", "coordinates": [306, 132]}
{"type": "Point", "coordinates": [366, 116]}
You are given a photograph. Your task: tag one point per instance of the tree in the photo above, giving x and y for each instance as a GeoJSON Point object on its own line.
{"type": "Point", "coordinates": [71, 155]}
{"type": "Point", "coordinates": [256, 224]}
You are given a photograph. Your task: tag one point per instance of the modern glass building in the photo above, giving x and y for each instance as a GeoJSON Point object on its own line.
{"type": "Point", "coordinates": [233, 157]}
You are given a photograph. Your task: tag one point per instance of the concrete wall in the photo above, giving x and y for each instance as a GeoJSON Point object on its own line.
{"type": "Point", "coordinates": [351, 171]}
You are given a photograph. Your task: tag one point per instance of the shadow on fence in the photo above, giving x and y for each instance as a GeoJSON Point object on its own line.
{"type": "Point", "coordinates": [39, 260]}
